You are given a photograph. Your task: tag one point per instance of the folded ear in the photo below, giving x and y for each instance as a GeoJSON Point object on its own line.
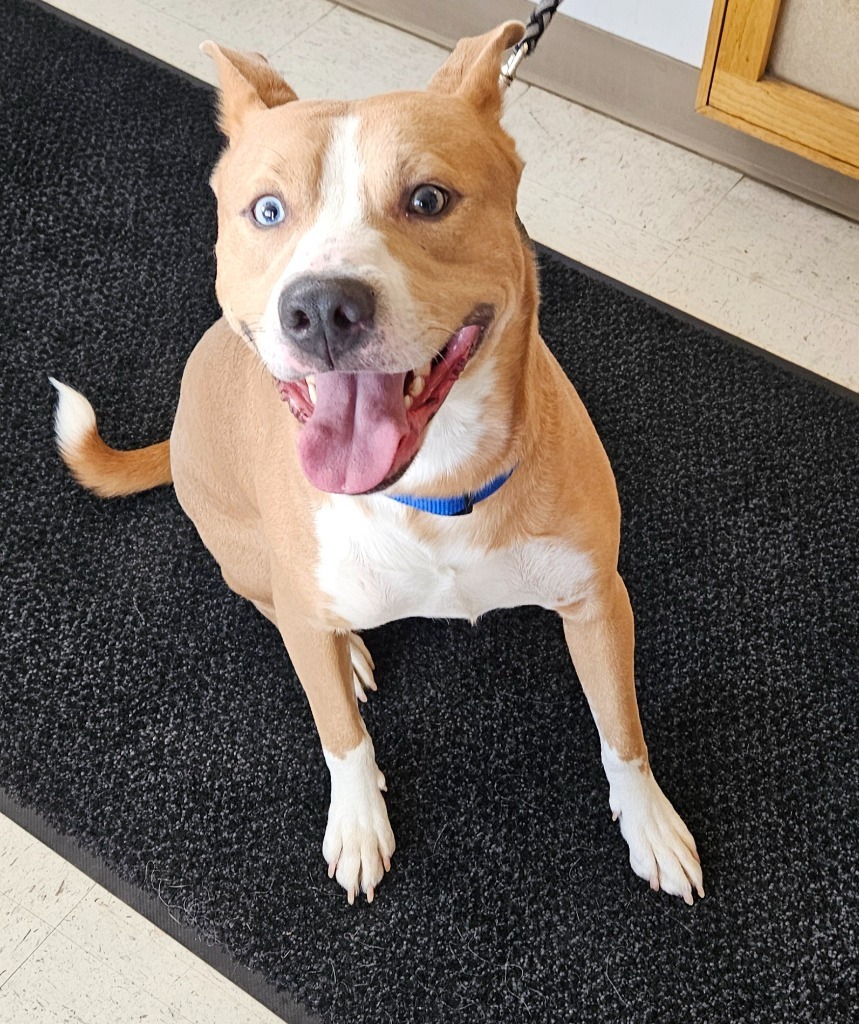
{"type": "Point", "coordinates": [248, 82]}
{"type": "Point", "coordinates": [472, 70]}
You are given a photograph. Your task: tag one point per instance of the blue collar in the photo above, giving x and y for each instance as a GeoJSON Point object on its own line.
{"type": "Point", "coordinates": [460, 505]}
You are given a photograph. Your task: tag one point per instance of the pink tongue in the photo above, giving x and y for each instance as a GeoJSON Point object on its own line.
{"type": "Point", "coordinates": [349, 444]}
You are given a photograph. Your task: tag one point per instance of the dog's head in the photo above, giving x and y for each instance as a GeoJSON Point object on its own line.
{"type": "Point", "coordinates": [368, 250]}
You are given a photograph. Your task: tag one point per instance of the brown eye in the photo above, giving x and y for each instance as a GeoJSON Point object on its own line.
{"type": "Point", "coordinates": [428, 200]}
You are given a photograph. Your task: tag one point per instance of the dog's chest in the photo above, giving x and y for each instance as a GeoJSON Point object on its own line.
{"type": "Point", "coordinates": [374, 567]}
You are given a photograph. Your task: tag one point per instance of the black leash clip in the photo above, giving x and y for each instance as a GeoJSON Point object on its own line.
{"type": "Point", "coordinates": [537, 25]}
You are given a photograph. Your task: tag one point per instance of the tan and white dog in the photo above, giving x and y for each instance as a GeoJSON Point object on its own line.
{"type": "Point", "coordinates": [380, 340]}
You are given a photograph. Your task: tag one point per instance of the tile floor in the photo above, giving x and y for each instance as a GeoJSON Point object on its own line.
{"type": "Point", "coordinates": [742, 256]}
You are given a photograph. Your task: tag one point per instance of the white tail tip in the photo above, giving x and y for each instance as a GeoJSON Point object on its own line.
{"type": "Point", "coordinates": [74, 418]}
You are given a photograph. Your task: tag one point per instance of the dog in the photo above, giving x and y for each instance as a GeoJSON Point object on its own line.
{"type": "Point", "coordinates": [375, 428]}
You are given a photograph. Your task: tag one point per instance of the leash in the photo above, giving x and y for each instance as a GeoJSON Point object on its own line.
{"type": "Point", "coordinates": [536, 26]}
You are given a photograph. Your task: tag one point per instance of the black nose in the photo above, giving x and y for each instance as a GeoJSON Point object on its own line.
{"type": "Point", "coordinates": [327, 316]}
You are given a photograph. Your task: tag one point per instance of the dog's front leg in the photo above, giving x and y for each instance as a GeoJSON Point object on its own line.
{"type": "Point", "coordinates": [358, 843]}
{"type": "Point", "coordinates": [600, 636]}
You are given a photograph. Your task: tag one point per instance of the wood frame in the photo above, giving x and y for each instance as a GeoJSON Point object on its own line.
{"type": "Point", "coordinates": [735, 89]}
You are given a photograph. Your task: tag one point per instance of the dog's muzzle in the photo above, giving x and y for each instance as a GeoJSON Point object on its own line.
{"type": "Point", "coordinates": [361, 427]}
{"type": "Point", "coordinates": [327, 317]}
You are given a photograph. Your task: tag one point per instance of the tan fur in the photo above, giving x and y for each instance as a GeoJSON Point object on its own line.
{"type": "Point", "coordinates": [472, 69]}
{"type": "Point", "coordinates": [252, 83]}
{"type": "Point", "coordinates": [233, 446]}
{"type": "Point", "coordinates": [113, 474]}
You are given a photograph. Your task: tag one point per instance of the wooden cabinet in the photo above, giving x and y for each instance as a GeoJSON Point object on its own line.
{"type": "Point", "coordinates": [738, 88]}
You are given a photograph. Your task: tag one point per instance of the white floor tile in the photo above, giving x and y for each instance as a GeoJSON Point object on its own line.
{"type": "Point", "coordinates": [118, 936]}
{"type": "Point", "coordinates": [594, 238]}
{"type": "Point", "coordinates": [64, 983]}
{"type": "Point", "coordinates": [154, 32]}
{"type": "Point", "coordinates": [260, 25]}
{"type": "Point", "coordinates": [755, 311]}
{"type": "Point", "coordinates": [771, 237]}
{"type": "Point", "coordinates": [36, 878]}
{"type": "Point", "coordinates": [144, 957]}
{"type": "Point", "coordinates": [53, 917]}
{"type": "Point", "coordinates": [649, 184]}
{"type": "Point", "coordinates": [347, 56]}
{"type": "Point", "coordinates": [21, 933]}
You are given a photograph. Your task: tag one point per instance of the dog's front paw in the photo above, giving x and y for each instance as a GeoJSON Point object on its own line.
{"type": "Point", "coordinates": [661, 848]}
{"type": "Point", "coordinates": [362, 667]}
{"type": "Point", "coordinates": [358, 843]}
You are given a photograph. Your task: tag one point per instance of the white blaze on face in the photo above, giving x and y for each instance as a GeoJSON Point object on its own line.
{"type": "Point", "coordinates": [339, 230]}
{"type": "Point", "coordinates": [342, 243]}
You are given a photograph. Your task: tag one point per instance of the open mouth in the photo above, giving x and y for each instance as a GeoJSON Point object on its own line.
{"type": "Point", "coordinates": [361, 430]}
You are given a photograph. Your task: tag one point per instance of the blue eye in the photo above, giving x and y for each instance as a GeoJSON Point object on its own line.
{"type": "Point", "coordinates": [268, 211]}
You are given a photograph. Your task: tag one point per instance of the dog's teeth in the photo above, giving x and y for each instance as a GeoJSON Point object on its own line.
{"type": "Point", "coordinates": [311, 389]}
{"type": "Point", "coordinates": [416, 386]}
{"type": "Point", "coordinates": [425, 370]}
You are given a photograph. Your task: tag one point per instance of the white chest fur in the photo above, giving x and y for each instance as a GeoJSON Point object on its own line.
{"type": "Point", "coordinates": [374, 568]}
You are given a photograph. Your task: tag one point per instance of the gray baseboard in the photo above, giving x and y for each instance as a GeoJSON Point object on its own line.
{"type": "Point", "coordinates": [629, 82]}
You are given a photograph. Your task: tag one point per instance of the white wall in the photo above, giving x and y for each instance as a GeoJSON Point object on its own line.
{"type": "Point", "coordinates": [675, 27]}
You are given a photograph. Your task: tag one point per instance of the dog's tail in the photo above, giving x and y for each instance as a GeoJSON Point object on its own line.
{"type": "Point", "coordinates": [94, 464]}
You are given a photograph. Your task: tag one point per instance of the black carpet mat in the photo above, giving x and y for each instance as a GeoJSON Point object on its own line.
{"type": "Point", "coordinates": [153, 729]}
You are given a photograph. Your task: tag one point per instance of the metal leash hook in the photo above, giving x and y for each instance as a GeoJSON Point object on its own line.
{"type": "Point", "coordinates": [537, 25]}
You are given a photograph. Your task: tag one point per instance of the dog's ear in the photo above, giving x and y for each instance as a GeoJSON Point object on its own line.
{"type": "Point", "coordinates": [472, 70]}
{"type": "Point", "coordinates": [248, 82]}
